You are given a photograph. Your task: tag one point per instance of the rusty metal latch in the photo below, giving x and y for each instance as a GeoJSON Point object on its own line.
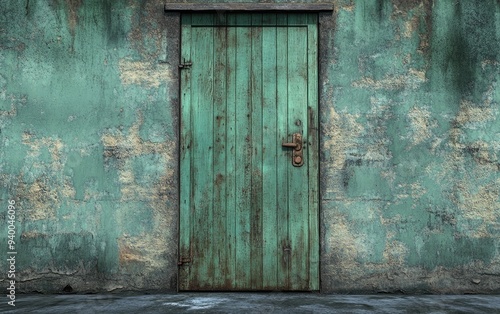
{"type": "Point", "coordinates": [297, 156]}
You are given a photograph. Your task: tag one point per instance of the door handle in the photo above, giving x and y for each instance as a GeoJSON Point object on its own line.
{"type": "Point", "coordinates": [296, 144]}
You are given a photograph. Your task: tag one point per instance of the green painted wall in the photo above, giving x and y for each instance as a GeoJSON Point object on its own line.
{"type": "Point", "coordinates": [410, 176]}
{"type": "Point", "coordinates": [88, 122]}
{"type": "Point", "coordinates": [410, 168]}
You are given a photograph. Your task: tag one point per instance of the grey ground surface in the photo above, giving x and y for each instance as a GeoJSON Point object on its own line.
{"type": "Point", "coordinates": [252, 303]}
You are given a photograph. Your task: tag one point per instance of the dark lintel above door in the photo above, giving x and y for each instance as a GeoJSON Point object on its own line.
{"type": "Point", "coordinates": [314, 7]}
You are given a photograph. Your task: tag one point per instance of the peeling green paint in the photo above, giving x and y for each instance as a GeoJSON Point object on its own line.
{"type": "Point", "coordinates": [410, 166]}
{"type": "Point", "coordinates": [74, 76]}
{"type": "Point", "coordinates": [410, 183]}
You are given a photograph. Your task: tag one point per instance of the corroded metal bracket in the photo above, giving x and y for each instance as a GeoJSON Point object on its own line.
{"type": "Point", "coordinates": [185, 65]}
{"type": "Point", "coordinates": [184, 260]}
{"type": "Point", "coordinates": [296, 144]}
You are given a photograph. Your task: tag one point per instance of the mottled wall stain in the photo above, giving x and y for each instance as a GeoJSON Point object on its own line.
{"type": "Point", "coordinates": [124, 151]}
{"type": "Point", "coordinates": [411, 189]}
{"type": "Point", "coordinates": [149, 28]}
{"type": "Point", "coordinates": [342, 133]}
{"type": "Point", "coordinates": [143, 73]}
{"type": "Point", "coordinates": [410, 182]}
{"type": "Point", "coordinates": [413, 79]}
{"type": "Point", "coordinates": [86, 118]}
{"type": "Point", "coordinates": [70, 8]}
{"type": "Point", "coordinates": [8, 113]}
{"type": "Point", "coordinates": [470, 113]}
{"type": "Point", "coordinates": [421, 125]}
{"type": "Point", "coordinates": [72, 12]}
{"type": "Point", "coordinates": [145, 175]}
{"type": "Point", "coordinates": [42, 186]}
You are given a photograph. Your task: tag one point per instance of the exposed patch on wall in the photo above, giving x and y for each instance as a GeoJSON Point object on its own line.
{"type": "Point", "coordinates": [342, 248]}
{"type": "Point", "coordinates": [146, 249]}
{"type": "Point", "coordinates": [412, 80]}
{"type": "Point", "coordinates": [130, 250]}
{"type": "Point", "coordinates": [411, 26]}
{"type": "Point", "coordinates": [53, 145]}
{"type": "Point", "coordinates": [39, 200]}
{"type": "Point", "coordinates": [411, 12]}
{"type": "Point", "coordinates": [347, 5]}
{"type": "Point", "coordinates": [492, 63]}
{"type": "Point", "coordinates": [395, 252]}
{"type": "Point", "coordinates": [41, 196]}
{"type": "Point", "coordinates": [341, 134]}
{"type": "Point", "coordinates": [415, 13]}
{"type": "Point", "coordinates": [59, 153]}
{"type": "Point", "coordinates": [484, 204]}
{"type": "Point", "coordinates": [480, 209]}
{"type": "Point", "coordinates": [393, 274]}
{"type": "Point", "coordinates": [125, 146]}
{"type": "Point", "coordinates": [421, 125]}
{"type": "Point", "coordinates": [470, 166]}
{"type": "Point", "coordinates": [148, 28]}
{"type": "Point", "coordinates": [469, 117]}
{"type": "Point", "coordinates": [470, 113]}
{"type": "Point", "coordinates": [9, 113]}
{"type": "Point", "coordinates": [72, 14]}
{"type": "Point", "coordinates": [122, 150]}
{"type": "Point", "coordinates": [406, 5]}
{"type": "Point", "coordinates": [484, 154]}
{"type": "Point", "coordinates": [146, 74]}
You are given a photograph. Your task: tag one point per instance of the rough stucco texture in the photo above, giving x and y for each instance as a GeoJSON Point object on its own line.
{"type": "Point", "coordinates": [89, 144]}
{"type": "Point", "coordinates": [410, 170]}
{"type": "Point", "coordinates": [410, 176]}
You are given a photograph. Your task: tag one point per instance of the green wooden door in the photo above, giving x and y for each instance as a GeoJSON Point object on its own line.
{"type": "Point", "coordinates": [248, 217]}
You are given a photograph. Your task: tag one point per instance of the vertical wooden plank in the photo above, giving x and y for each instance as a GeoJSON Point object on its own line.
{"type": "Point", "coordinates": [185, 156]}
{"type": "Point", "coordinates": [219, 226]}
{"type": "Point", "coordinates": [199, 19]}
{"type": "Point", "coordinates": [270, 148]}
{"type": "Point", "coordinates": [298, 181]}
{"type": "Point", "coordinates": [202, 166]}
{"type": "Point", "coordinates": [251, 216]}
{"type": "Point", "coordinates": [313, 150]}
{"type": "Point", "coordinates": [231, 166]}
{"type": "Point", "coordinates": [283, 154]}
{"type": "Point", "coordinates": [256, 157]}
{"type": "Point", "coordinates": [243, 153]}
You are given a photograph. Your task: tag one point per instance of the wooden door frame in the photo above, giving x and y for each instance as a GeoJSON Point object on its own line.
{"type": "Point", "coordinates": [325, 28]}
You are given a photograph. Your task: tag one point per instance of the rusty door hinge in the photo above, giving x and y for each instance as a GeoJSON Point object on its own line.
{"type": "Point", "coordinates": [185, 65]}
{"type": "Point", "coordinates": [184, 260]}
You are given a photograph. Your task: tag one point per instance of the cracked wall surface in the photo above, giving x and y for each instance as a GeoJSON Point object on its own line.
{"type": "Point", "coordinates": [409, 120]}
{"type": "Point", "coordinates": [410, 175]}
{"type": "Point", "coordinates": [88, 130]}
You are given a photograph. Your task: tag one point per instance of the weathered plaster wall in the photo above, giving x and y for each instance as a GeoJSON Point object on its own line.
{"type": "Point", "coordinates": [410, 171]}
{"type": "Point", "coordinates": [410, 180]}
{"type": "Point", "coordinates": [88, 122]}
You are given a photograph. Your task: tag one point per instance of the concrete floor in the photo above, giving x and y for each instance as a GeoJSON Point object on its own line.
{"type": "Point", "coordinates": [252, 303]}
